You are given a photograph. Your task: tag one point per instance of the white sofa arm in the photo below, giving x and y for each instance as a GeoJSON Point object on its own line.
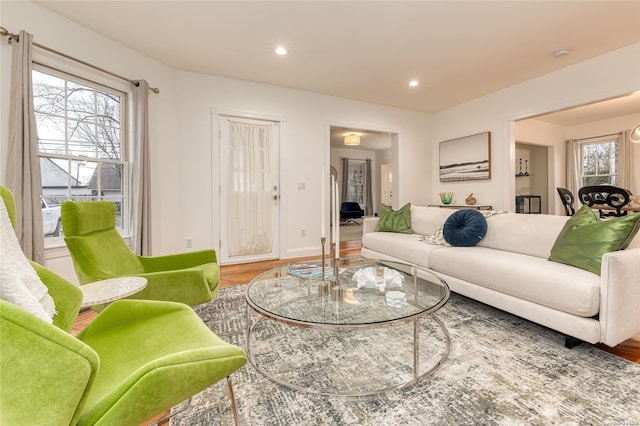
{"type": "Point", "coordinates": [369, 224]}
{"type": "Point", "coordinates": [620, 296]}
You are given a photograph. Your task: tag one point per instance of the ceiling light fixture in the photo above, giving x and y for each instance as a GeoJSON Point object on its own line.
{"type": "Point", "coordinates": [413, 83]}
{"type": "Point", "coordinates": [561, 52]}
{"type": "Point", "coordinates": [281, 51]}
{"type": "Point", "coordinates": [352, 139]}
{"type": "Point", "coordinates": [635, 135]}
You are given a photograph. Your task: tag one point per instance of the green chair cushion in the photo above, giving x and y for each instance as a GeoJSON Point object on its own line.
{"type": "Point", "coordinates": [182, 357]}
{"type": "Point", "coordinates": [87, 217]}
{"type": "Point", "coordinates": [395, 221]}
{"type": "Point", "coordinates": [585, 238]}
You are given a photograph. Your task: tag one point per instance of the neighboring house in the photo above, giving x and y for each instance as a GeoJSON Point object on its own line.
{"type": "Point", "coordinates": [55, 181]}
{"type": "Point", "coordinates": [110, 185]}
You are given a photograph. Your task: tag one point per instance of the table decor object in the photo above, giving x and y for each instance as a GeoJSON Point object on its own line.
{"type": "Point", "coordinates": [446, 197]}
{"type": "Point", "coordinates": [470, 200]}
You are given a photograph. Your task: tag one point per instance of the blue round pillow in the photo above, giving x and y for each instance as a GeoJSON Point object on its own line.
{"type": "Point", "coordinates": [464, 228]}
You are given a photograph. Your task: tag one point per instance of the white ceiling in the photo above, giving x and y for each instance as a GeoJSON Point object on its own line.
{"type": "Point", "coordinates": [369, 50]}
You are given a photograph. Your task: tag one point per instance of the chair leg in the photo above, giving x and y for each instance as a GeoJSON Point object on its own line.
{"type": "Point", "coordinates": [233, 401]}
{"type": "Point", "coordinates": [168, 417]}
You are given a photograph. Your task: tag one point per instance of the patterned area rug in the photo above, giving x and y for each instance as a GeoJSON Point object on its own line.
{"type": "Point", "coordinates": [502, 370]}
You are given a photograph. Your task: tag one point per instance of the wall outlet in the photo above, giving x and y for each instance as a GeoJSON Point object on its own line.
{"type": "Point", "coordinates": [303, 232]}
{"type": "Point", "coordinates": [189, 242]}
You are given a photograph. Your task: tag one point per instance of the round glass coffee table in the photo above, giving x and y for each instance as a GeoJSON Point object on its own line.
{"type": "Point", "coordinates": [373, 333]}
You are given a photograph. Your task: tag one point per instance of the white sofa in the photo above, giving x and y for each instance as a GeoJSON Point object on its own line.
{"type": "Point", "coordinates": [508, 269]}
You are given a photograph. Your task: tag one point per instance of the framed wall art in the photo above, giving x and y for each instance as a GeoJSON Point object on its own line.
{"type": "Point", "coordinates": [467, 158]}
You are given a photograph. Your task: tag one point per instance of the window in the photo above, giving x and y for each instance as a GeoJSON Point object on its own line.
{"type": "Point", "coordinates": [599, 161]}
{"type": "Point", "coordinates": [81, 144]}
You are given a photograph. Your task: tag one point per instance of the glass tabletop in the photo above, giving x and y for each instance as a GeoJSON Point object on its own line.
{"type": "Point", "coordinates": [372, 293]}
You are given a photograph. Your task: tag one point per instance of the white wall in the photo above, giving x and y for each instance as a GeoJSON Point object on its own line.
{"type": "Point", "coordinates": [614, 74]}
{"type": "Point", "coordinates": [304, 149]}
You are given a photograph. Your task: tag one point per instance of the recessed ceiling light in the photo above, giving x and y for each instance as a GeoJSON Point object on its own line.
{"type": "Point", "coordinates": [281, 51]}
{"type": "Point", "coordinates": [561, 52]}
{"type": "Point", "coordinates": [413, 83]}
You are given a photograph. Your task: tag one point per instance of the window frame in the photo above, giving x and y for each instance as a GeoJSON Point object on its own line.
{"type": "Point", "coordinates": [107, 84]}
{"type": "Point", "coordinates": [615, 139]}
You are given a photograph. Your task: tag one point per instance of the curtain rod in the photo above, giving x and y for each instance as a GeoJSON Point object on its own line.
{"type": "Point", "coordinates": [4, 32]}
{"type": "Point", "coordinates": [599, 136]}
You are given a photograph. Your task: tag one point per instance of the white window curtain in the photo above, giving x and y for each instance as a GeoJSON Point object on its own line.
{"type": "Point", "coordinates": [574, 181]}
{"type": "Point", "coordinates": [624, 159]}
{"type": "Point", "coordinates": [250, 197]}
{"type": "Point", "coordinates": [140, 212]}
{"type": "Point", "coordinates": [23, 171]}
{"type": "Point", "coordinates": [369, 202]}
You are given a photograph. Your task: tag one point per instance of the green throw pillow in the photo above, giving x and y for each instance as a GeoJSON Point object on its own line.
{"type": "Point", "coordinates": [585, 238]}
{"type": "Point", "coordinates": [395, 221]}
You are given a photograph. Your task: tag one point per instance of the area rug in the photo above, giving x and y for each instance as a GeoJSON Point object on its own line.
{"type": "Point", "coordinates": [502, 370]}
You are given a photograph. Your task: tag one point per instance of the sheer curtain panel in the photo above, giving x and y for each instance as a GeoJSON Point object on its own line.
{"type": "Point", "coordinates": [369, 202]}
{"type": "Point", "coordinates": [625, 161]}
{"type": "Point", "coordinates": [23, 173]}
{"type": "Point", "coordinates": [250, 197]}
{"type": "Point", "coordinates": [573, 167]}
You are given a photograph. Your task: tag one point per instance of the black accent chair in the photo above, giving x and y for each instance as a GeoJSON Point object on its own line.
{"type": "Point", "coordinates": [350, 211]}
{"type": "Point", "coordinates": [568, 200]}
{"type": "Point", "coordinates": [611, 198]}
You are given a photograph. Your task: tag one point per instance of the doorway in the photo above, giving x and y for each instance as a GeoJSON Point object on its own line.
{"type": "Point", "coordinates": [532, 178]}
{"type": "Point", "coordinates": [378, 148]}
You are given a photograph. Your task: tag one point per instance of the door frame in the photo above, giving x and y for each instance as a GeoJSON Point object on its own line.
{"type": "Point", "coordinates": [217, 114]}
{"type": "Point", "coordinates": [396, 153]}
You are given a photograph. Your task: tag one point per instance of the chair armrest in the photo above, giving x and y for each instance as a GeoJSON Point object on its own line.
{"type": "Point", "coordinates": [177, 261]}
{"type": "Point", "coordinates": [619, 296]}
{"type": "Point", "coordinates": [67, 297]}
{"type": "Point", "coordinates": [45, 373]}
{"type": "Point", "coordinates": [189, 286]}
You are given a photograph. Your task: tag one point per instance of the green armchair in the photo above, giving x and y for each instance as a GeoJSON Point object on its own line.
{"type": "Point", "coordinates": [99, 252]}
{"type": "Point", "coordinates": [136, 359]}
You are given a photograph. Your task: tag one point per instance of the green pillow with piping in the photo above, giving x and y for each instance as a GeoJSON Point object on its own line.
{"type": "Point", "coordinates": [395, 221]}
{"type": "Point", "coordinates": [585, 238]}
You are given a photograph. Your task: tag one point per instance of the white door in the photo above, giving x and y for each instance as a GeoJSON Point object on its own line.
{"type": "Point", "coordinates": [385, 183]}
{"type": "Point", "coordinates": [249, 190]}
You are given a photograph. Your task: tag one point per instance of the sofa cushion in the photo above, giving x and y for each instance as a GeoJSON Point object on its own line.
{"type": "Point", "coordinates": [530, 278]}
{"type": "Point", "coordinates": [531, 234]}
{"type": "Point", "coordinates": [465, 228]}
{"type": "Point", "coordinates": [407, 247]}
{"type": "Point", "coordinates": [427, 220]}
{"type": "Point", "coordinates": [585, 238]}
{"type": "Point", "coordinates": [395, 221]}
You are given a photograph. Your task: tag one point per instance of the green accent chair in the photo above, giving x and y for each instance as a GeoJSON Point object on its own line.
{"type": "Point", "coordinates": [136, 359]}
{"type": "Point", "coordinates": [99, 252]}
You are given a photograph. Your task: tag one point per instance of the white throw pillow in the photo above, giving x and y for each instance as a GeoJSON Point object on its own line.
{"type": "Point", "coordinates": [19, 282]}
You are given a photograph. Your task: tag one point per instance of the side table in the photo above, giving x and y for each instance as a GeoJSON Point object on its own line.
{"type": "Point", "coordinates": [105, 291]}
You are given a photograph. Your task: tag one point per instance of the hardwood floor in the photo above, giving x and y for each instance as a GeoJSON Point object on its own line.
{"type": "Point", "coordinates": [231, 275]}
